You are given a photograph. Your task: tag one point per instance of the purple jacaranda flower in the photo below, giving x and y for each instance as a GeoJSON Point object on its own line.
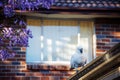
{"type": "Point", "coordinates": [4, 54]}
{"type": "Point", "coordinates": [25, 5]}
{"type": "Point", "coordinates": [8, 11]}
{"type": "Point", "coordinates": [15, 37]}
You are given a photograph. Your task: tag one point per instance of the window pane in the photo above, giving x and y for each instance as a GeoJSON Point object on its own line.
{"type": "Point", "coordinates": [34, 49]}
{"type": "Point", "coordinates": [59, 42]}
{"type": "Point", "coordinates": [52, 43]}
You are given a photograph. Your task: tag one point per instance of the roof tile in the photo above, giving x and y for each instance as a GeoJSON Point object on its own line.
{"type": "Point", "coordinates": [88, 3]}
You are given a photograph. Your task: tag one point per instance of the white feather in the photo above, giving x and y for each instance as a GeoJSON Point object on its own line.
{"type": "Point", "coordinates": [78, 59]}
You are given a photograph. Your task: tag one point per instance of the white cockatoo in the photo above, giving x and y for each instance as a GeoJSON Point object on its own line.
{"type": "Point", "coordinates": [78, 59]}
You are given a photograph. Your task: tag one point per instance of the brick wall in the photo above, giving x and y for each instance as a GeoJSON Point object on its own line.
{"type": "Point", "coordinates": [17, 69]}
{"type": "Point", "coordinates": [107, 33]}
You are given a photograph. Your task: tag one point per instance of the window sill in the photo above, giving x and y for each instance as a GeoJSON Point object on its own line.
{"type": "Point", "coordinates": [39, 66]}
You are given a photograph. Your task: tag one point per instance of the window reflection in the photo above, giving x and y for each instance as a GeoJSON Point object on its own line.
{"type": "Point", "coordinates": [55, 44]}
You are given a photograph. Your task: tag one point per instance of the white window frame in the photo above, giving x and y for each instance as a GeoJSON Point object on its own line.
{"type": "Point", "coordinates": [60, 62]}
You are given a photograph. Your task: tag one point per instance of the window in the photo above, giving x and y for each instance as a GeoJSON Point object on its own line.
{"type": "Point", "coordinates": [56, 40]}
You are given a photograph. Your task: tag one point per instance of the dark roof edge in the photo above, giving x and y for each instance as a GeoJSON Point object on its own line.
{"type": "Point", "coordinates": [85, 8]}
{"type": "Point", "coordinates": [66, 10]}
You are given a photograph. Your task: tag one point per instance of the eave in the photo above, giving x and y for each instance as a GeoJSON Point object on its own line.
{"type": "Point", "coordinates": [66, 12]}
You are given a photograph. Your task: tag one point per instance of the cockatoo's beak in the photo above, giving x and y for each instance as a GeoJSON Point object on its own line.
{"type": "Point", "coordinates": [81, 50]}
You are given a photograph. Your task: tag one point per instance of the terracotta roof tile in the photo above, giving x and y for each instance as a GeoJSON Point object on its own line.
{"type": "Point", "coordinates": [88, 3]}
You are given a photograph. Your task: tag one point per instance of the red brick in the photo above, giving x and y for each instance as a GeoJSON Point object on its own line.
{"type": "Point", "coordinates": [116, 33]}
{"type": "Point", "coordinates": [98, 32]}
{"type": "Point", "coordinates": [101, 29]}
{"type": "Point", "coordinates": [6, 70]}
{"type": "Point", "coordinates": [117, 37]}
{"type": "Point", "coordinates": [23, 48]}
{"type": "Point", "coordinates": [54, 78]}
{"type": "Point", "coordinates": [55, 72]}
{"type": "Point", "coordinates": [26, 78]}
{"type": "Point", "coordinates": [67, 74]}
{"type": "Point", "coordinates": [5, 78]}
{"type": "Point", "coordinates": [29, 74]}
{"type": "Point", "coordinates": [10, 74]}
{"type": "Point", "coordinates": [106, 40]}
{"type": "Point", "coordinates": [63, 78]}
{"type": "Point", "coordinates": [15, 70]}
{"type": "Point", "coordinates": [20, 66]}
{"type": "Point", "coordinates": [98, 25]}
{"type": "Point", "coordinates": [112, 29]}
{"type": "Point", "coordinates": [51, 67]}
{"type": "Point", "coordinates": [23, 55]}
{"type": "Point", "coordinates": [17, 55]}
{"type": "Point", "coordinates": [16, 78]}
{"type": "Point", "coordinates": [106, 33]}
{"type": "Point", "coordinates": [2, 74]}
{"type": "Point", "coordinates": [58, 74]}
{"type": "Point", "coordinates": [99, 47]}
{"type": "Point", "coordinates": [48, 74]}
{"type": "Point", "coordinates": [6, 62]}
{"type": "Point", "coordinates": [99, 40]}
{"type": "Point", "coordinates": [44, 78]}
{"type": "Point", "coordinates": [29, 67]}
{"type": "Point", "coordinates": [35, 78]}
{"type": "Point", "coordinates": [100, 50]}
{"type": "Point", "coordinates": [12, 59]}
{"type": "Point", "coordinates": [38, 74]}
{"type": "Point", "coordinates": [11, 67]}
{"type": "Point", "coordinates": [21, 59]}
{"type": "Point", "coordinates": [110, 36]}
{"type": "Point", "coordinates": [115, 25]}
{"type": "Point", "coordinates": [23, 62]}
{"type": "Point", "coordinates": [117, 29]}
{"type": "Point", "coordinates": [2, 66]}
{"type": "Point", "coordinates": [106, 47]}
{"type": "Point", "coordinates": [100, 43]}
{"type": "Point", "coordinates": [25, 70]}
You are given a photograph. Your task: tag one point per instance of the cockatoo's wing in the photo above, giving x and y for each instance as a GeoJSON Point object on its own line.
{"type": "Point", "coordinates": [78, 60]}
